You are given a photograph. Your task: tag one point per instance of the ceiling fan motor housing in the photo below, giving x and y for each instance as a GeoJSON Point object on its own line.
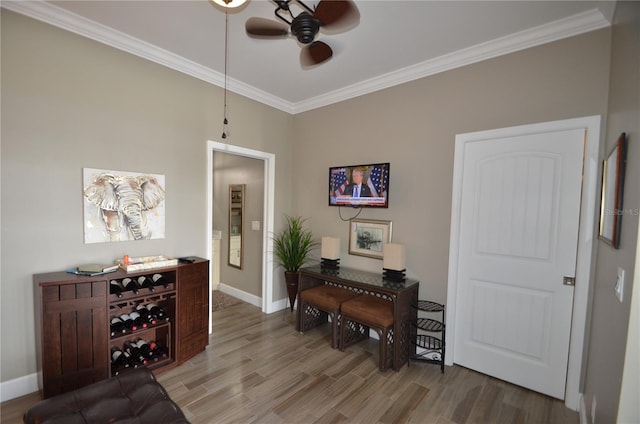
{"type": "Point", "coordinates": [305, 27]}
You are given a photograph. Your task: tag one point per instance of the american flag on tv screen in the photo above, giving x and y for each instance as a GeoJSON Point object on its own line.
{"type": "Point", "coordinates": [339, 181]}
{"type": "Point", "coordinates": [375, 182]}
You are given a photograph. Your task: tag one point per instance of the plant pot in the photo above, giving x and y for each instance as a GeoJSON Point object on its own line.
{"type": "Point", "coordinates": [291, 280]}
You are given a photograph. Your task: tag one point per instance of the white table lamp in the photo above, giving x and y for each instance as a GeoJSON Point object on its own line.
{"type": "Point", "coordinates": [393, 261]}
{"type": "Point", "coordinates": [330, 252]}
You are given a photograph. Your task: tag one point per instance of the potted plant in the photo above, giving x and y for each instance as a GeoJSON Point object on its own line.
{"type": "Point", "coordinates": [292, 247]}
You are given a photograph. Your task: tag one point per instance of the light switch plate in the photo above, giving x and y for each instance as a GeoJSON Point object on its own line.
{"type": "Point", "coordinates": [619, 288]}
{"type": "Point", "coordinates": [255, 225]}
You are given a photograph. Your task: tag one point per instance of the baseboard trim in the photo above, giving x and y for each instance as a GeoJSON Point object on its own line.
{"type": "Point", "coordinates": [584, 416]}
{"type": "Point", "coordinates": [242, 295]}
{"type": "Point", "coordinates": [18, 387]}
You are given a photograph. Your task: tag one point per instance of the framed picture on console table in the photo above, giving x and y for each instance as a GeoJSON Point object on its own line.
{"type": "Point", "coordinates": [366, 237]}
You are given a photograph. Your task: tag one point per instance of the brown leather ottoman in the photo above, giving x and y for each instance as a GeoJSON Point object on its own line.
{"type": "Point", "coordinates": [364, 312]}
{"type": "Point", "coordinates": [134, 396]}
{"type": "Point", "coordinates": [327, 299]}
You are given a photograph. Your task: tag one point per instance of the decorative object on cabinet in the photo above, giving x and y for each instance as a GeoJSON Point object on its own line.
{"type": "Point", "coordinates": [330, 252]}
{"type": "Point", "coordinates": [292, 248]}
{"type": "Point", "coordinates": [81, 322]}
{"type": "Point", "coordinates": [366, 237]}
{"type": "Point", "coordinates": [120, 206]}
{"type": "Point", "coordinates": [611, 208]}
{"type": "Point", "coordinates": [236, 225]}
{"type": "Point", "coordinates": [430, 334]}
{"type": "Point", "coordinates": [142, 263]}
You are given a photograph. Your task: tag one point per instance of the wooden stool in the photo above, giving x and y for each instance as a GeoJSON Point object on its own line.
{"type": "Point", "coordinates": [318, 302]}
{"type": "Point", "coordinates": [364, 312]}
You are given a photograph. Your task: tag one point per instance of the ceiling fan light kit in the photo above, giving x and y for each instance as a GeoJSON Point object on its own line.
{"type": "Point", "coordinates": [333, 15]}
{"type": "Point", "coordinates": [229, 3]}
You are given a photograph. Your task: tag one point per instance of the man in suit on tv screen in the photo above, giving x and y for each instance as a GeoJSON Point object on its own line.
{"type": "Point", "coordinates": [357, 188]}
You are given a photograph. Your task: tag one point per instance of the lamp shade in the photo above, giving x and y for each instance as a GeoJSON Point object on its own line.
{"type": "Point", "coordinates": [229, 3]}
{"type": "Point", "coordinates": [330, 248]}
{"type": "Point", "coordinates": [393, 256]}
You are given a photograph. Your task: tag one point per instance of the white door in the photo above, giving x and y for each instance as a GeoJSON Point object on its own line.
{"type": "Point", "coordinates": [518, 236]}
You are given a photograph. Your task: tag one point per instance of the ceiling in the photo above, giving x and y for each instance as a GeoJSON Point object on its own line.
{"type": "Point", "coordinates": [395, 41]}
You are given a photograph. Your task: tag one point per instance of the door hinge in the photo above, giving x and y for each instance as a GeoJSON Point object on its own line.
{"type": "Point", "coordinates": [569, 281]}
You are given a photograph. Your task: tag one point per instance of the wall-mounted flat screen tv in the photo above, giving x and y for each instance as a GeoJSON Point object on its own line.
{"type": "Point", "coordinates": [359, 185]}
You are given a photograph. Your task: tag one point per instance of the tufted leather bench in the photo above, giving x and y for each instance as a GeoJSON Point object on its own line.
{"type": "Point", "coordinates": [134, 396]}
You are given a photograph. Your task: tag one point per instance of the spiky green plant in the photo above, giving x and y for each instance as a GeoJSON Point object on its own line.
{"type": "Point", "coordinates": [293, 244]}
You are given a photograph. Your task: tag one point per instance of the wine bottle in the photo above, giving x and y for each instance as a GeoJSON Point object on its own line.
{"type": "Point", "coordinates": [161, 351]}
{"type": "Point", "coordinates": [130, 284]}
{"type": "Point", "coordinates": [146, 282]}
{"type": "Point", "coordinates": [159, 280]}
{"type": "Point", "coordinates": [145, 314]}
{"type": "Point", "coordinates": [117, 326]}
{"type": "Point", "coordinates": [157, 312]}
{"type": "Point", "coordinates": [135, 353]}
{"type": "Point", "coordinates": [153, 346]}
{"type": "Point", "coordinates": [118, 358]}
{"type": "Point", "coordinates": [115, 288]}
{"type": "Point", "coordinates": [144, 348]}
{"type": "Point", "coordinates": [138, 320]}
{"type": "Point", "coordinates": [128, 322]}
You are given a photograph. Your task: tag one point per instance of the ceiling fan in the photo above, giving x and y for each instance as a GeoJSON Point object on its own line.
{"type": "Point", "coordinates": [330, 15]}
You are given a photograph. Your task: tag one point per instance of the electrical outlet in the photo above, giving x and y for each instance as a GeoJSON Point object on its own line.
{"type": "Point", "coordinates": [619, 288]}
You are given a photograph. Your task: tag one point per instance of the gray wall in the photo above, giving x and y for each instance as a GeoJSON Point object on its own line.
{"type": "Point", "coordinates": [70, 103]}
{"type": "Point", "coordinates": [609, 317]}
{"type": "Point", "coordinates": [413, 126]}
{"type": "Point", "coordinates": [232, 169]}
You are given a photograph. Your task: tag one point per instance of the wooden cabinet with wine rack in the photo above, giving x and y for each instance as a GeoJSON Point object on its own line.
{"type": "Point", "coordinates": [74, 313]}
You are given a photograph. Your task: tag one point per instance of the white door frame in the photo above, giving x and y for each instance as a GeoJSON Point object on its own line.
{"type": "Point", "coordinates": [268, 217]}
{"type": "Point", "coordinates": [586, 243]}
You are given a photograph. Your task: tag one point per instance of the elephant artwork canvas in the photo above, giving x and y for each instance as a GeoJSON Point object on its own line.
{"type": "Point", "coordinates": [121, 206]}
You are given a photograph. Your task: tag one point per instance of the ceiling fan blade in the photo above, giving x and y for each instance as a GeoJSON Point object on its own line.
{"type": "Point", "coordinates": [337, 15]}
{"type": "Point", "coordinates": [260, 27]}
{"type": "Point", "coordinates": [315, 54]}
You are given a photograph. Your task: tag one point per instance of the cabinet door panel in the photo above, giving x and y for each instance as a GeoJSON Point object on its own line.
{"type": "Point", "coordinates": [193, 309]}
{"type": "Point", "coordinates": [74, 336]}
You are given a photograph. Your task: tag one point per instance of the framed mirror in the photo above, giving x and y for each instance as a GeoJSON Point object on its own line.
{"type": "Point", "coordinates": [612, 191]}
{"type": "Point", "coordinates": [236, 224]}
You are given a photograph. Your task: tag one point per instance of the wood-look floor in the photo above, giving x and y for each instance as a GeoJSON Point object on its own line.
{"type": "Point", "coordinates": [258, 369]}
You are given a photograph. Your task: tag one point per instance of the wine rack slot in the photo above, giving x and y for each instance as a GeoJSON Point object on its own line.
{"type": "Point", "coordinates": [75, 316]}
{"type": "Point", "coordinates": [167, 285]}
{"type": "Point", "coordinates": [158, 341]}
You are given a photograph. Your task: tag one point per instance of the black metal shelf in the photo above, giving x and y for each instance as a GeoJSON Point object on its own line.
{"type": "Point", "coordinates": [428, 324]}
{"type": "Point", "coordinates": [432, 343]}
{"type": "Point", "coordinates": [429, 306]}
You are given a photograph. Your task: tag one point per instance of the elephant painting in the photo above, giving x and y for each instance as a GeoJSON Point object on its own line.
{"type": "Point", "coordinates": [125, 207]}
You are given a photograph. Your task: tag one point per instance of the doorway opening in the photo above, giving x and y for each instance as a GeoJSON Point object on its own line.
{"type": "Point", "coordinates": [268, 305]}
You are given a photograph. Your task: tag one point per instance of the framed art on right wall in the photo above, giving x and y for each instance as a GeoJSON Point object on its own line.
{"type": "Point", "coordinates": [612, 191]}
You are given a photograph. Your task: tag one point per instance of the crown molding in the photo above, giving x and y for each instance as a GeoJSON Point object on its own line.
{"type": "Point", "coordinates": [76, 24]}
{"type": "Point", "coordinates": [574, 25]}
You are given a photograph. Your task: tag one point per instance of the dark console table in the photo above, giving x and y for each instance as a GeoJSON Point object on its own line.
{"type": "Point", "coordinates": [403, 294]}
